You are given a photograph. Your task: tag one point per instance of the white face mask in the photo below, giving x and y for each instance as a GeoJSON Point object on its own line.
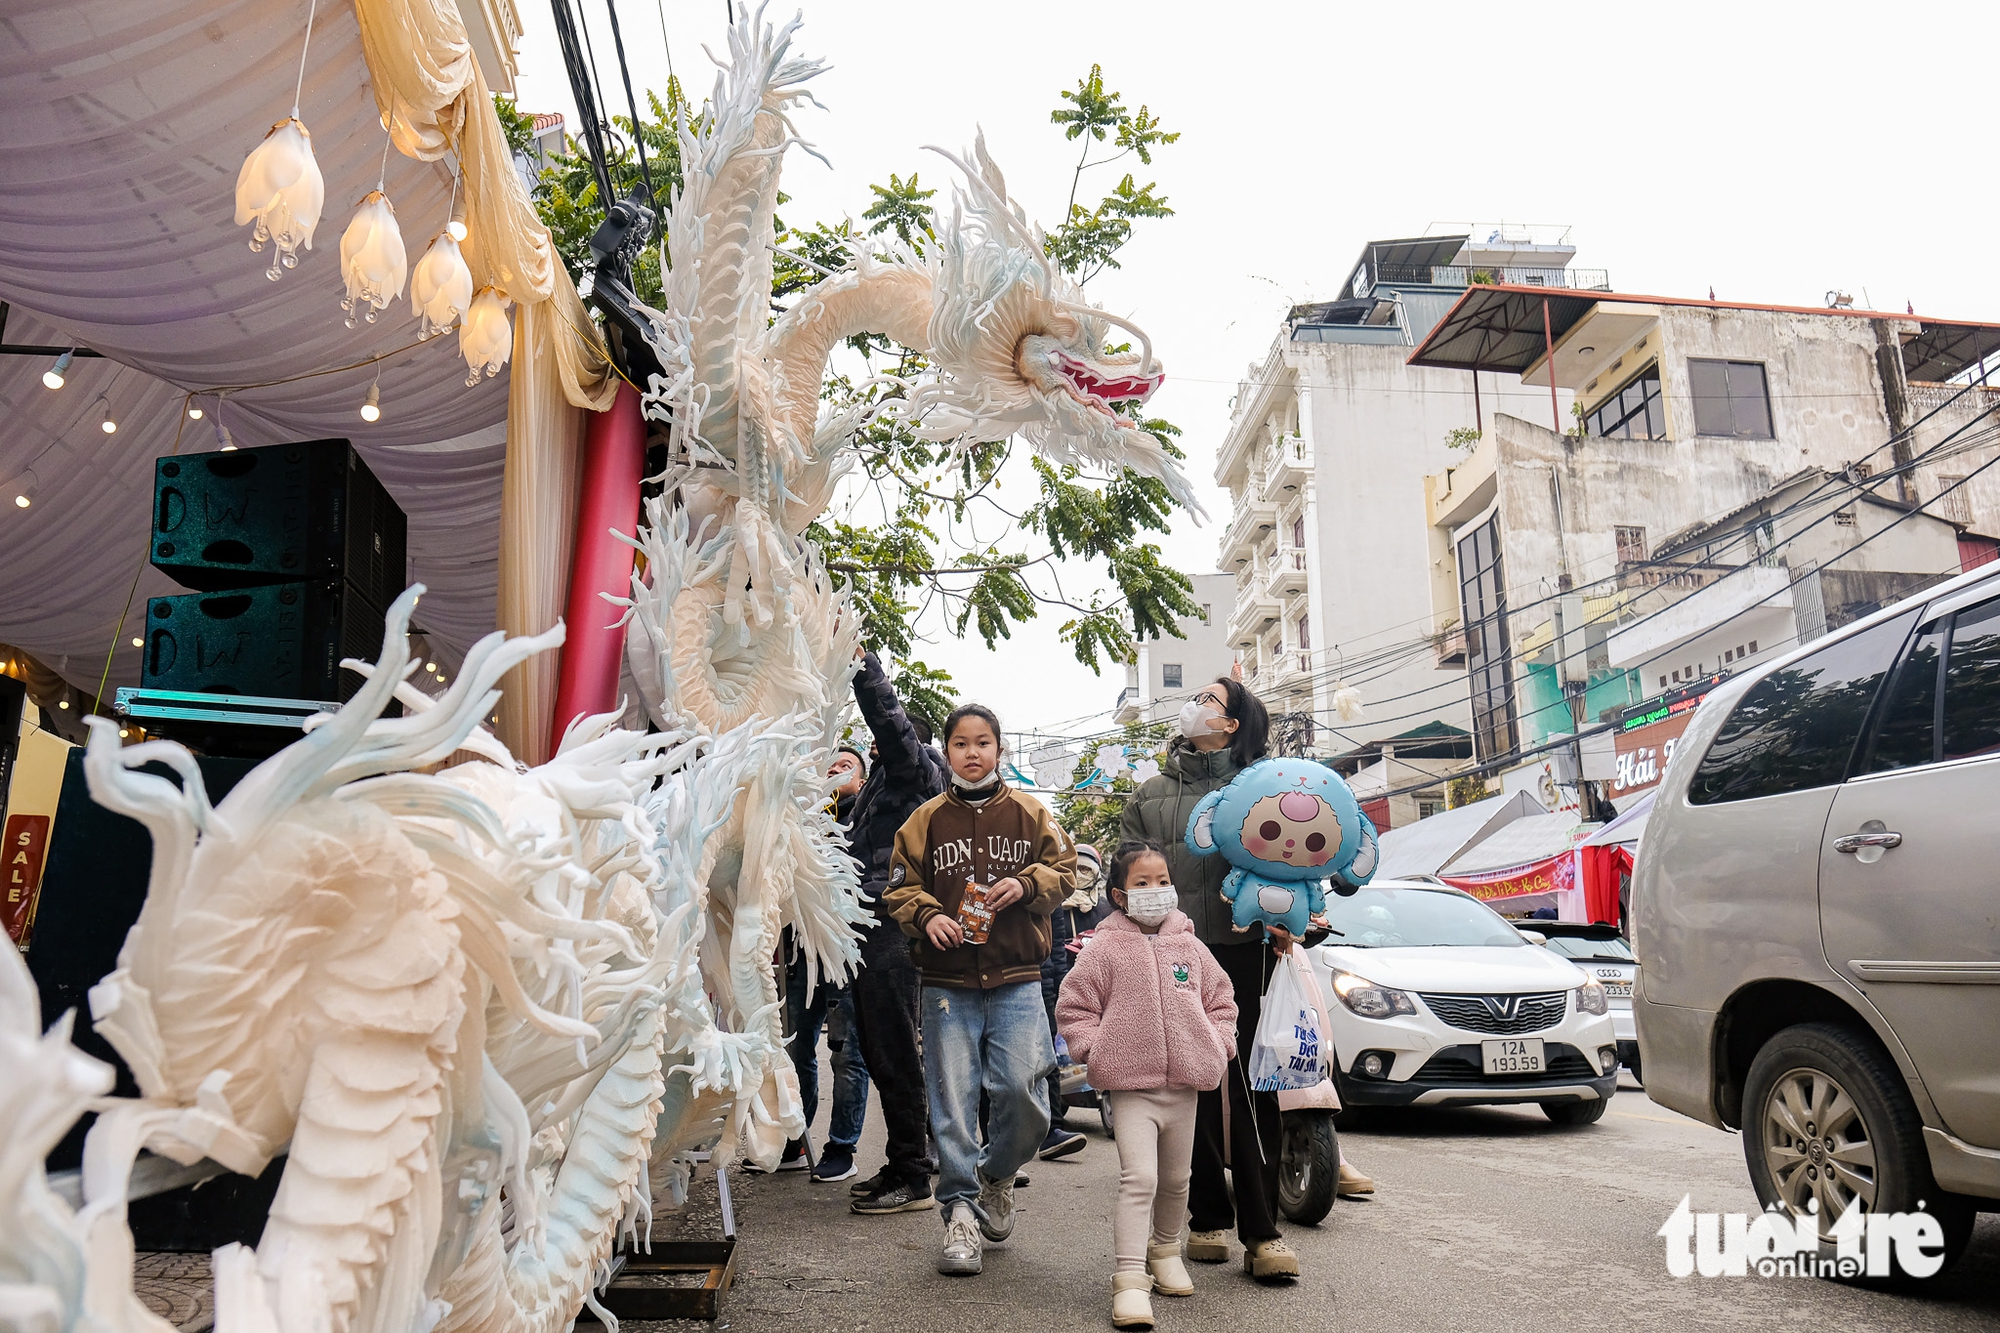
{"type": "Point", "coordinates": [1149, 906]}
{"type": "Point", "coordinates": [1199, 719]}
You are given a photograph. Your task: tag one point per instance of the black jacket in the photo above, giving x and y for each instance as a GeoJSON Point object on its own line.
{"type": "Point", "coordinates": [1160, 810]}
{"type": "Point", "coordinates": [906, 774]}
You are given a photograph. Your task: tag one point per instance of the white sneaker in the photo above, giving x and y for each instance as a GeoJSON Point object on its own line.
{"type": "Point", "coordinates": [960, 1255]}
{"type": "Point", "coordinates": [996, 1208]}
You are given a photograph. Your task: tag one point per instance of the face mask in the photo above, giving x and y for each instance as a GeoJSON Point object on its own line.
{"type": "Point", "coordinates": [1149, 906]}
{"type": "Point", "coordinates": [1199, 719]}
{"type": "Point", "coordinates": [966, 784]}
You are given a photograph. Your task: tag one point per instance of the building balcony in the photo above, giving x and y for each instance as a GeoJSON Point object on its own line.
{"type": "Point", "coordinates": [1285, 572]}
{"type": "Point", "coordinates": [1255, 611]}
{"type": "Point", "coordinates": [1287, 468]}
{"type": "Point", "coordinates": [1245, 532]}
{"type": "Point", "coordinates": [1449, 643]}
{"type": "Point", "coordinates": [1466, 275]}
{"type": "Point", "coordinates": [1289, 674]}
{"type": "Point", "coordinates": [1129, 707]}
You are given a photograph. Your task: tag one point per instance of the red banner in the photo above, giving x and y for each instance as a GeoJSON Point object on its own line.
{"type": "Point", "coordinates": [1558, 872]}
{"type": "Point", "coordinates": [27, 845]}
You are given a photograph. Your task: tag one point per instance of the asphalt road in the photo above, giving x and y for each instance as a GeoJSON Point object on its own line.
{"type": "Point", "coordinates": [1483, 1219]}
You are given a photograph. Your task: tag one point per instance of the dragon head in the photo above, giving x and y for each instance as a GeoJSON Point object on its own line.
{"type": "Point", "coordinates": [1018, 349]}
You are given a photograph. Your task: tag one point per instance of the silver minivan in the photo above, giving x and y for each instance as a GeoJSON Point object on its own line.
{"type": "Point", "coordinates": [1816, 913]}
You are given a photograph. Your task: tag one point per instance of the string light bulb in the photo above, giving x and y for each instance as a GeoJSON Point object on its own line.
{"type": "Point", "coordinates": [26, 495]}
{"type": "Point", "coordinates": [138, 643]}
{"type": "Point", "coordinates": [431, 667]}
{"type": "Point", "coordinates": [53, 376]}
{"type": "Point", "coordinates": [223, 440]}
{"type": "Point", "coordinates": [371, 406]}
{"type": "Point", "coordinates": [194, 410]}
{"type": "Point", "coordinates": [109, 425]}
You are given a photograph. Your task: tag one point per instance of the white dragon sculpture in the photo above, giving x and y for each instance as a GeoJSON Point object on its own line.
{"type": "Point", "coordinates": [485, 1009]}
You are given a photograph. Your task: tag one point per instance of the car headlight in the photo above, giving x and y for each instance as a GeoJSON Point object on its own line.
{"type": "Point", "coordinates": [1590, 997]}
{"type": "Point", "coordinates": [1364, 997]}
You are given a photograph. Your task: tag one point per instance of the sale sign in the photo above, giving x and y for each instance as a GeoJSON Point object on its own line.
{"type": "Point", "coordinates": [27, 846]}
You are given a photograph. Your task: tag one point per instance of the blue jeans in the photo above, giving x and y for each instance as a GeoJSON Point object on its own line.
{"type": "Point", "coordinates": [991, 1041]}
{"type": "Point", "coordinates": [833, 1008]}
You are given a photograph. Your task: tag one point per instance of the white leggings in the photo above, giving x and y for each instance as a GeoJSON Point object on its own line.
{"type": "Point", "coordinates": [1155, 1128]}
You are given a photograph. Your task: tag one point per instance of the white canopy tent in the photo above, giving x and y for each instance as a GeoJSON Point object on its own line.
{"type": "Point", "coordinates": [124, 128]}
{"type": "Point", "coordinates": [1427, 846]}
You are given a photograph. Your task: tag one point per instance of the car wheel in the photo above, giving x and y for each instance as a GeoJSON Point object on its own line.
{"type": "Point", "coordinates": [1308, 1166]}
{"type": "Point", "coordinates": [1827, 1120]}
{"type": "Point", "coordinates": [1577, 1113]}
{"type": "Point", "coordinates": [1104, 1116]}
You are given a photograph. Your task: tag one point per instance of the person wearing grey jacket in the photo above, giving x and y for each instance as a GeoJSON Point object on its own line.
{"type": "Point", "coordinates": [1223, 730]}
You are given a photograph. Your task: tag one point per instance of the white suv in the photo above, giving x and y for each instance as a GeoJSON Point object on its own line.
{"type": "Point", "coordinates": [1816, 912]}
{"type": "Point", "coordinates": [1435, 1000]}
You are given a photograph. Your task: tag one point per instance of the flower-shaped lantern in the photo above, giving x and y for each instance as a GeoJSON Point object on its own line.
{"type": "Point", "coordinates": [485, 337]}
{"type": "Point", "coordinates": [281, 190]}
{"type": "Point", "coordinates": [441, 288]}
{"type": "Point", "coordinates": [372, 259]}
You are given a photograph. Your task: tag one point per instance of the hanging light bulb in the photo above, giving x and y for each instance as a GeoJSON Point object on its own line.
{"type": "Point", "coordinates": [441, 288]}
{"type": "Point", "coordinates": [485, 337]}
{"type": "Point", "coordinates": [22, 501]}
{"type": "Point", "coordinates": [194, 410]}
{"type": "Point", "coordinates": [457, 224]}
{"type": "Point", "coordinates": [109, 425]}
{"type": "Point", "coordinates": [53, 376]}
{"type": "Point", "coordinates": [280, 188]}
{"type": "Point", "coordinates": [24, 493]}
{"type": "Point", "coordinates": [431, 667]}
{"type": "Point", "coordinates": [371, 406]}
{"type": "Point", "coordinates": [138, 643]}
{"type": "Point", "coordinates": [223, 440]}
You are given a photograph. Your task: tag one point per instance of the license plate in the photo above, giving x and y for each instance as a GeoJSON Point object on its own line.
{"type": "Point", "coordinates": [1618, 990]}
{"type": "Point", "coordinates": [1513, 1055]}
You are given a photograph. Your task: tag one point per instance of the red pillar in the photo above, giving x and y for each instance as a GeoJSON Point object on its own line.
{"type": "Point", "coordinates": [614, 460]}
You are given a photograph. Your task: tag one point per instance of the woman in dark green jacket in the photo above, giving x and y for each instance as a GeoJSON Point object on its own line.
{"type": "Point", "coordinates": [1223, 730]}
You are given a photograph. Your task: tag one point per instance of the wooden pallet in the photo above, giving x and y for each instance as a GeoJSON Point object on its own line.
{"type": "Point", "coordinates": [663, 1284]}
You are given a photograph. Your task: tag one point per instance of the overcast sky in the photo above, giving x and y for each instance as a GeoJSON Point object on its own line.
{"type": "Point", "coordinates": [1770, 151]}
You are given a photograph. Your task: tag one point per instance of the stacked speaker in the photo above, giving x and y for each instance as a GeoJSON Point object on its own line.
{"type": "Point", "coordinates": [296, 551]}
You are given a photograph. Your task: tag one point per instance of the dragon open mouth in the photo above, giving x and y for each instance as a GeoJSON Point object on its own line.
{"type": "Point", "coordinates": [1087, 384]}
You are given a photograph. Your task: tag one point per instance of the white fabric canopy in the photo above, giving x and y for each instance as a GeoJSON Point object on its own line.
{"type": "Point", "coordinates": [123, 128]}
{"type": "Point", "coordinates": [1522, 842]}
{"type": "Point", "coordinates": [1426, 846]}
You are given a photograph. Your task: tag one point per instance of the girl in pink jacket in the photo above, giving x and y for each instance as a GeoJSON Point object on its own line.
{"type": "Point", "coordinates": [1153, 1015]}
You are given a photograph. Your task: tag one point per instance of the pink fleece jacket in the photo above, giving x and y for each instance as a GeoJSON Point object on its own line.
{"type": "Point", "coordinates": [1148, 1011]}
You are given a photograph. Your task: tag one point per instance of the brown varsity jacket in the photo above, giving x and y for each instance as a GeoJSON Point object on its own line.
{"type": "Point", "coordinates": [947, 842]}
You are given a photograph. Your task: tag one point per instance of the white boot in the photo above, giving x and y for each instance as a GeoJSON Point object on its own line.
{"type": "Point", "coordinates": [1131, 1300]}
{"type": "Point", "coordinates": [1170, 1275]}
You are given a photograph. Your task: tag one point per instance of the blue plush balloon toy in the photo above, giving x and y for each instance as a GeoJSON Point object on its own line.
{"type": "Point", "coordinates": [1287, 826]}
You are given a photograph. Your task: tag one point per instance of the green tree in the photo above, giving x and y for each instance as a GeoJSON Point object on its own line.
{"type": "Point", "coordinates": [1091, 814]}
{"type": "Point", "coordinates": [925, 556]}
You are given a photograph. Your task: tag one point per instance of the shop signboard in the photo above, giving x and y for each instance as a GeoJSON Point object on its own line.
{"type": "Point", "coordinates": [1642, 755]}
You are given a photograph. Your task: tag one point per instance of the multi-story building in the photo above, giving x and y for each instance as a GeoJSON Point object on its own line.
{"type": "Point", "coordinates": [1330, 440]}
{"type": "Point", "coordinates": [1735, 479]}
{"type": "Point", "coordinates": [1165, 672]}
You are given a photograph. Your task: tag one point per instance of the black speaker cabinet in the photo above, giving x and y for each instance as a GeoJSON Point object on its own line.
{"type": "Point", "coordinates": [277, 513]}
{"type": "Point", "coordinates": [91, 895]}
{"type": "Point", "coordinates": [284, 641]}
{"type": "Point", "coordinates": [92, 890]}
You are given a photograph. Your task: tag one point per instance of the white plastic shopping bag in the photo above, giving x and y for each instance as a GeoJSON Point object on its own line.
{"type": "Point", "coordinates": [1289, 1051]}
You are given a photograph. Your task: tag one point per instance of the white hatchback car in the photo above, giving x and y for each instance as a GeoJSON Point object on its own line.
{"type": "Point", "coordinates": [1434, 999]}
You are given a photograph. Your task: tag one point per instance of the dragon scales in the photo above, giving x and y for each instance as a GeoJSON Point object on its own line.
{"type": "Point", "coordinates": [484, 1008]}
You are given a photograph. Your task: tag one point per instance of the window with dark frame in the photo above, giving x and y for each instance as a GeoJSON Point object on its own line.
{"type": "Point", "coordinates": [1631, 545]}
{"type": "Point", "coordinates": [1635, 412]}
{"type": "Point", "coordinates": [1298, 534]}
{"type": "Point", "coordinates": [1305, 632]}
{"type": "Point", "coordinates": [1489, 664]}
{"type": "Point", "coordinates": [1731, 398]}
{"type": "Point", "coordinates": [1170, 675]}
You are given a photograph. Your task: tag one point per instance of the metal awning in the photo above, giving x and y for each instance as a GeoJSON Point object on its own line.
{"type": "Point", "coordinates": [1499, 327]}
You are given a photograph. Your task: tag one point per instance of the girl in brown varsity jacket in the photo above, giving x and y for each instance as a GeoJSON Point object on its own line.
{"type": "Point", "coordinates": [975, 875]}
